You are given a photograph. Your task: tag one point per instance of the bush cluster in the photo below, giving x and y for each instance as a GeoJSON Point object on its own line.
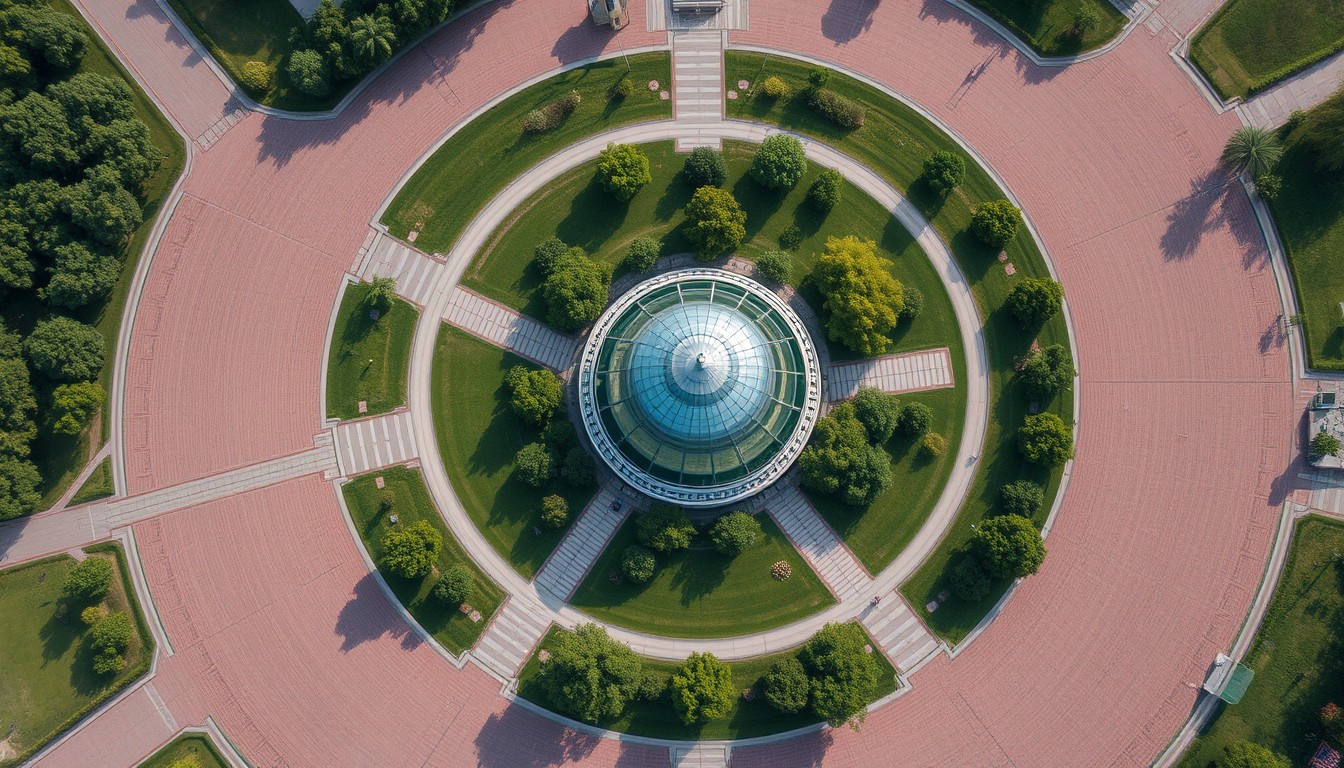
{"type": "Point", "coordinates": [1047, 372]}
{"type": "Point", "coordinates": [1007, 546]}
{"type": "Point", "coordinates": [774, 87]}
{"type": "Point", "coordinates": [714, 222]}
{"type": "Point", "coordinates": [454, 586]}
{"type": "Point", "coordinates": [257, 76]}
{"type": "Point", "coordinates": [551, 116]}
{"type": "Point", "coordinates": [623, 89]}
{"type": "Point", "coordinates": [89, 581]}
{"type": "Point", "coordinates": [776, 265]}
{"type": "Point", "coordinates": [109, 639]}
{"type": "Point", "coordinates": [824, 193]}
{"type": "Point", "coordinates": [575, 286]}
{"type": "Point", "coordinates": [534, 393]}
{"type": "Point", "coordinates": [590, 676]}
{"type": "Point", "coordinates": [836, 108]}
{"type": "Point", "coordinates": [643, 254]}
{"type": "Point", "coordinates": [840, 459]}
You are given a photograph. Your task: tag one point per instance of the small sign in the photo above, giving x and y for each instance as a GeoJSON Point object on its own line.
{"type": "Point", "coordinates": [378, 481]}
{"type": "Point", "coordinates": [1009, 268]}
{"type": "Point", "coordinates": [364, 408]}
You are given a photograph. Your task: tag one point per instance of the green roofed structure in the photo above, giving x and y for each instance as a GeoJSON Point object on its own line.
{"type": "Point", "coordinates": [699, 387]}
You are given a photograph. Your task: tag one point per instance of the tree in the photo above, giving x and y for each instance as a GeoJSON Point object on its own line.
{"type": "Point", "coordinates": [1047, 372]}
{"type": "Point", "coordinates": [382, 292]}
{"type": "Point", "coordinates": [554, 511]}
{"type": "Point", "coordinates": [1086, 20]}
{"type": "Point", "coordinates": [575, 291]}
{"type": "Point", "coordinates": [862, 299]}
{"type": "Point", "coordinates": [87, 95]}
{"type": "Point", "coordinates": [776, 265]}
{"type": "Point", "coordinates": [1324, 444]}
{"type": "Point", "coordinates": [125, 147]}
{"type": "Point", "coordinates": [102, 207]}
{"type": "Point", "coordinates": [714, 221]}
{"type": "Point", "coordinates": [786, 685]}
{"type": "Point", "coordinates": [995, 223]}
{"type": "Point", "coordinates": [17, 406]}
{"type": "Point", "coordinates": [643, 252]}
{"type": "Point", "coordinates": [534, 464]}
{"type": "Point", "coordinates": [454, 586]}
{"type": "Point", "coordinates": [734, 532]}
{"type": "Point", "coordinates": [637, 564]}
{"type": "Point", "coordinates": [1321, 130]}
{"type": "Point", "coordinates": [19, 481]}
{"type": "Point", "coordinates": [257, 76]}
{"type": "Point", "coordinates": [969, 581]}
{"type": "Point", "coordinates": [411, 552]}
{"type": "Point", "coordinates": [88, 581]}
{"type": "Point", "coordinates": [372, 39]}
{"type": "Point", "coordinates": [622, 170]}
{"type": "Point", "coordinates": [1035, 300]}
{"type": "Point", "coordinates": [839, 460]}
{"type": "Point", "coordinates": [1008, 547]}
{"type": "Point", "coordinates": [36, 129]}
{"type": "Point", "coordinates": [64, 349]}
{"type": "Point", "coordinates": [824, 193]}
{"type": "Point", "coordinates": [80, 276]}
{"type": "Point", "coordinates": [705, 168]}
{"type": "Point", "coordinates": [664, 528]}
{"type": "Point", "coordinates": [16, 264]}
{"type": "Point", "coordinates": [912, 304]}
{"type": "Point", "coordinates": [309, 72]}
{"type": "Point", "coordinates": [1045, 439]}
{"type": "Point", "coordinates": [1246, 754]}
{"type": "Point", "coordinates": [702, 689]}
{"type": "Point", "coordinates": [74, 405]}
{"type": "Point", "coordinates": [578, 469]}
{"type": "Point", "coordinates": [534, 393]}
{"type": "Point", "coordinates": [932, 445]}
{"type": "Point", "coordinates": [843, 675]}
{"type": "Point", "coordinates": [113, 632]}
{"type": "Point", "coordinates": [878, 412]}
{"type": "Point", "coordinates": [589, 675]}
{"type": "Point", "coordinates": [58, 37]}
{"type": "Point", "coordinates": [944, 171]}
{"type": "Point", "coordinates": [559, 434]}
{"type": "Point", "coordinates": [547, 253]}
{"type": "Point", "coordinates": [779, 162]}
{"type": "Point", "coordinates": [1252, 149]}
{"type": "Point", "coordinates": [916, 419]}
{"type": "Point", "coordinates": [1022, 497]}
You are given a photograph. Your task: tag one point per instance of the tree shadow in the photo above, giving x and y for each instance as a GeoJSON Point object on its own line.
{"type": "Point", "coordinates": [845, 20]}
{"type": "Point", "coordinates": [11, 532]}
{"type": "Point", "coordinates": [1195, 215]}
{"type": "Point", "coordinates": [60, 630]}
{"type": "Point", "coordinates": [758, 202]}
{"type": "Point", "coordinates": [595, 215]}
{"type": "Point", "coordinates": [517, 738]}
{"type": "Point", "coordinates": [697, 577]}
{"type": "Point", "coordinates": [367, 617]}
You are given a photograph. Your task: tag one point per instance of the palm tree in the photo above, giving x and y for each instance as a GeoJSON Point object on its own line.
{"type": "Point", "coordinates": [371, 39]}
{"type": "Point", "coordinates": [1254, 150]}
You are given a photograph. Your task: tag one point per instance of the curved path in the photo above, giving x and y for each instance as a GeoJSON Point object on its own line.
{"type": "Point", "coordinates": [1184, 449]}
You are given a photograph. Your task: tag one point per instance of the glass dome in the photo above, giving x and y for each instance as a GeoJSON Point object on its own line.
{"type": "Point", "coordinates": [699, 387]}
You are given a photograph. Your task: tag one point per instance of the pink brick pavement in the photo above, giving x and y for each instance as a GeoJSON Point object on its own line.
{"type": "Point", "coordinates": [1184, 439]}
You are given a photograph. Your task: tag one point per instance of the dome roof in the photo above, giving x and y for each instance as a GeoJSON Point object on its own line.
{"type": "Point", "coordinates": [699, 387]}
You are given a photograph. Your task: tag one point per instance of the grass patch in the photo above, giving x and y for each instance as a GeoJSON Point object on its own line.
{"type": "Point", "coordinates": [370, 359]}
{"type": "Point", "coordinates": [1296, 655]}
{"type": "Point", "coordinates": [48, 681]}
{"type": "Point", "coordinates": [894, 143]}
{"type": "Point", "coordinates": [97, 486]}
{"type": "Point", "coordinates": [1048, 25]}
{"type": "Point", "coordinates": [192, 747]}
{"type": "Point", "coordinates": [700, 593]}
{"type": "Point", "coordinates": [461, 177]}
{"type": "Point", "coordinates": [478, 436]}
{"type": "Point", "coordinates": [452, 628]}
{"type": "Point", "coordinates": [1250, 44]}
{"type": "Point", "coordinates": [657, 719]}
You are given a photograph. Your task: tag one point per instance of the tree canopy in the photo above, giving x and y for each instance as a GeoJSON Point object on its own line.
{"type": "Point", "coordinates": [702, 689]}
{"type": "Point", "coordinates": [589, 675]}
{"type": "Point", "coordinates": [705, 167]}
{"type": "Point", "coordinates": [64, 349]}
{"type": "Point", "coordinates": [534, 464]}
{"type": "Point", "coordinates": [840, 460]}
{"type": "Point", "coordinates": [664, 528]}
{"type": "Point", "coordinates": [843, 676]}
{"type": "Point", "coordinates": [779, 162]}
{"type": "Point", "coordinates": [1045, 439]}
{"type": "Point", "coordinates": [1008, 546]}
{"type": "Point", "coordinates": [879, 412]}
{"type": "Point", "coordinates": [714, 221]}
{"type": "Point", "coordinates": [411, 551]}
{"type": "Point", "coordinates": [1047, 372]}
{"type": "Point", "coordinates": [1035, 300]}
{"type": "Point", "coordinates": [944, 171]}
{"type": "Point", "coordinates": [576, 290]}
{"type": "Point", "coordinates": [623, 170]}
{"type": "Point", "coordinates": [995, 223]}
{"type": "Point", "coordinates": [735, 532]}
{"type": "Point", "coordinates": [534, 393]}
{"type": "Point", "coordinates": [862, 299]}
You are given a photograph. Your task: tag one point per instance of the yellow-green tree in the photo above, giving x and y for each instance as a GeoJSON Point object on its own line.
{"type": "Point", "coordinates": [863, 300]}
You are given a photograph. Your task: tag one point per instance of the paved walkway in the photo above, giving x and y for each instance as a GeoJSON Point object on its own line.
{"type": "Point", "coordinates": [1271, 107]}
{"type": "Point", "coordinates": [586, 539]}
{"type": "Point", "coordinates": [899, 633]}
{"type": "Point", "coordinates": [368, 444]}
{"type": "Point", "coordinates": [842, 573]}
{"type": "Point", "coordinates": [505, 327]}
{"type": "Point", "coordinates": [509, 640]}
{"type": "Point", "coordinates": [701, 756]}
{"type": "Point", "coordinates": [697, 83]}
{"type": "Point", "coordinates": [385, 256]}
{"type": "Point", "coordinates": [909, 372]}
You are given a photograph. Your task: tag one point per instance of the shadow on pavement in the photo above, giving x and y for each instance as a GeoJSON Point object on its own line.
{"type": "Point", "coordinates": [368, 616]}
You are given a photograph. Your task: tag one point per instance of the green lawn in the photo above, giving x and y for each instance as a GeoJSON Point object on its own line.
{"type": "Point", "coordinates": [97, 486]}
{"type": "Point", "coordinates": [478, 436]}
{"type": "Point", "coordinates": [452, 628]}
{"type": "Point", "coordinates": [656, 719]}
{"type": "Point", "coordinates": [193, 747]}
{"type": "Point", "coordinates": [479, 160]}
{"type": "Point", "coordinates": [892, 125]}
{"type": "Point", "coordinates": [370, 359]}
{"type": "Point", "coordinates": [1048, 25]}
{"type": "Point", "coordinates": [1309, 213]}
{"type": "Point", "coordinates": [1296, 656]}
{"type": "Point", "coordinates": [1250, 44]}
{"type": "Point", "coordinates": [700, 593]}
{"type": "Point", "coordinates": [48, 681]}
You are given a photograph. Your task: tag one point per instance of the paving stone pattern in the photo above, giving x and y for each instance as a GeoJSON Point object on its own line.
{"type": "Point", "coordinates": [899, 632]}
{"type": "Point", "coordinates": [504, 327]}
{"type": "Point", "coordinates": [508, 642]}
{"type": "Point", "coordinates": [697, 76]}
{"type": "Point", "coordinates": [733, 15]}
{"type": "Point", "coordinates": [372, 443]}
{"type": "Point", "coordinates": [586, 539]}
{"type": "Point", "coordinates": [233, 114]}
{"type": "Point", "coordinates": [911, 372]}
{"type": "Point", "coordinates": [700, 756]}
{"type": "Point", "coordinates": [414, 271]}
{"type": "Point", "coordinates": [815, 540]}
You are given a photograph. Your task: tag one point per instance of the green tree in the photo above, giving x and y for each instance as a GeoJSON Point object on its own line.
{"type": "Point", "coordinates": [862, 299]}
{"type": "Point", "coordinates": [58, 37]}
{"type": "Point", "coordinates": [554, 511]}
{"type": "Point", "coordinates": [1022, 497]}
{"type": "Point", "coordinates": [995, 223]}
{"type": "Point", "coordinates": [776, 265]}
{"type": "Point", "coordinates": [623, 170]}
{"type": "Point", "coordinates": [411, 552]}
{"type": "Point", "coordinates": [372, 39]}
{"type": "Point", "coordinates": [578, 469]}
{"type": "Point", "coordinates": [664, 528]}
{"type": "Point", "coordinates": [90, 99]}
{"type": "Point", "coordinates": [73, 406]}
{"type": "Point", "coordinates": [1252, 149]}
{"type": "Point", "coordinates": [916, 419]}
{"type": "Point", "coordinates": [382, 292]}
{"type": "Point", "coordinates": [1324, 444]}
{"type": "Point", "coordinates": [1086, 20]}
{"type": "Point", "coordinates": [534, 464]}
{"type": "Point", "coordinates": [944, 171]}
{"type": "Point", "coordinates": [309, 72]}
{"type": "Point", "coordinates": [1047, 372]}
{"type": "Point", "coordinates": [575, 291]}
{"type": "Point", "coordinates": [843, 675]}
{"type": "Point", "coordinates": [1246, 754]}
{"type": "Point", "coordinates": [589, 675]}
{"type": "Point", "coordinates": [839, 459]}
{"type": "Point", "coordinates": [969, 581]}
{"type": "Point", "coordinates": [1321, 130]}
{"type": "Point", "coordinates": [17, 406]}
{"type": "Point", "coordinates": [1045, 439]}
{"type": "Point", "coordinates": [786, 686]}
{"type": "Point", "coordinates": [878, 412]}
{"type": "Point", "coordinates": [637, 564]}
{"type": "Point", "coordinates": [779, 162]}
{"type": "Point", "coordinates": [80, 276]}
{"type": "Point", "coordinates": [102, 207]}
{"type": "Point", "coordinates": [454, 586]}
{"type": "Point", "coordinates": [714, 222]}
{"type": "Point", "coordinates": [64, 349]}
{"type": "Point", "coordinates": [643, 252]}
{"type": "Point", "coordinates": [547, 253]}
{"type": "Point", "coordinates": [36, 129]}
{"type": "Point", "coordinates": [16, 264]}
{"type": "Point", "coordinates": [734, 532]}
{"type": "Point", "coordinates": [534, 394]}
{"type": "Point", "coordinates": [932, 445]}
{"type": "Point", "coordinates": [824, 193]}
{"type": "Point", "coordinates": [88, 581]}
{"type": "Point", "coordinates": [1008, 546]}
{"type": "Point", "coordinates": [113, 632]}
{"type": "Point", "coordinates": [125, 147]}
{"type": "Point", "coordinates": [1035, 300]}
{"type": "Point", "coordinates": [19, 481]}
{"type": "Point", "coordinates": [702, 689]}
{"type": "Point", "coordinates": [705, 168]}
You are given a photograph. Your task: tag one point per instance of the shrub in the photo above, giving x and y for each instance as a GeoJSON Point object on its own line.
{"type": "Point", "coordinates": [551, 116]}
{"type": "Point", "coordinates": [1268, 184]}
{"type": "Point", "coordinates": [534, 464]}
{"type": "Point", "coordinates": [1022, 497]}
{"type": "Point", "coordinates": [652, 687]}
{"type": "Point", "coordinates": [643, 254]}
{"type": "Point", "coordinates": [576, 290]}
{"type": "Point", "coordinates": [559, 434]}
{"type": "Point", "coordinates": [995, 222]}
{"type": "Point", "coordinates": [879, 413]}
{"type": "Point", "coordinates": [969, 581]}
{"type": "Point", "coordinates": [637, 564]}
{"type": "Point", "coordinates": [734, 532]}
{"type": "Point", "coordinates": [309, 73]}
{"type": "Point", "coordinates": [1253, 150]}
{"type": "Point", "coordinates": [664, 528]}
{"type": "Point", "coordinates": [107, 661]}
{"type": "Point", "coordinates": [578, 469]}
{"type": "Point", "coordinates": [88, 581]}
{"type": "Point", "coordinates": [622, 89]}
{"type": "Point", "coordinates": [1332, 719]}
{"type": "Point", "coordinates": [257, 75]}
{"type": "Point", "coordinates": [932, 446]}
{"type": "Point", "coordinates": [705, 168]}
{"type": "Point", "coordinates": [534, 394]}
{"type": "Point", "coordinates": [774, 87]}
{"type": "Point", "coordinates": [944, 171]}
{"type": "Point", "coordinates": [1048, 372]}
{"type": "Point", "coordinates": [382, 292]}
{"type": "Point", "coordinates": [1045, 439]}
{"type": "Point", "coordinates": [74, 405]}
{"type": "Point", "coordinates": [1324, 444]}
{"type": "Point", "coordinates": [589, 675]}
{"type": "Point", "coordinates": [911, 305]}
{"type": "Point", "coordinates": [916, 419]}
{"type": "Point", "coordinates": [622, 170]}
{"type": "Point", "coordinates": [386, 500]}
{"type": "Point", "coordinates": [1035, 300]}
{"type": "Point", "coordinates": [547, 253]}
{"type": "Point", "coordinates": [836, 108]}
{"type": "Point", "coordinates": [839, 459]}
{"type": "Point", "coordinates": [410, 552]}
{"type": "Point", "coordinates": [779, 162]}
{"type": "Point", "coordinates": [113, 632]}
{"type": "Point", "coordinates": [702, 689]}
{"type": "Point", "coordinates": [819, 76]}
{"type": "Point", "coordinates": [781, 571]}
{"type": "Point", "coordinates": [1086, 20]}
{"type": "Point", "coordinates": [65, 349]}
{"type": "Point", "coordinates": [714, 221]}
{"type": "Point", "coordinates": [1245, 754]}
{"type": "Point", "coordinates": [786, 686]}
{"type": "Point", "coordinates": [554, 511]}
{"type": "Point", "coordinates": [862, 299]}
{"type": "Point", "coordinates": [824, 193]}
{"type": "Point", "coordinates": [843, 675]}
{"type": "Point", "coordinates": [791, 237]}
{"type": "Point", "coordinates": [776, 265]}
{"type": "Point", "coordinates": [92, 614]}
{"type": "Point", "coordinates": [1008, 546]}
{"type": "Point", "coordinates": [454, 586]}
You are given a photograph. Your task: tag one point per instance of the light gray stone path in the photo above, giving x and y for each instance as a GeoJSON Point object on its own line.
{"type": "Point", "coordinates": [587, 537]}
{"type": "Point", "coordinates": [659, 16]}
{"type": "Point", "coordinates": [701, 756]}
{"type": "Point", "coordinates": [506, 328]}
{"type": "Point", "coordinates": [910, 372]}
{"type": "Point", "coordinates": [899, 632]}
{"type": "Point", "coordinates": [58, 531]}
{"type": "Point", "coordinates": [1327, 490]}
{"type": "Point", "coordinates": [1271, 107]}
{"type": "Point", "coordinates": [368, 444]}
{"type": "Point", "coordinates": [386, 256]}
{"type": "Point", "coordinates": [509, 640]}
{"type": "Point", "coordinates": [697, 83]}
{"type": "Point", "coordinates": [817, 543]}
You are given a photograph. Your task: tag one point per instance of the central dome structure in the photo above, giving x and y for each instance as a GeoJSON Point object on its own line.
{"type": "Point", "coordinates": [699, 387]}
